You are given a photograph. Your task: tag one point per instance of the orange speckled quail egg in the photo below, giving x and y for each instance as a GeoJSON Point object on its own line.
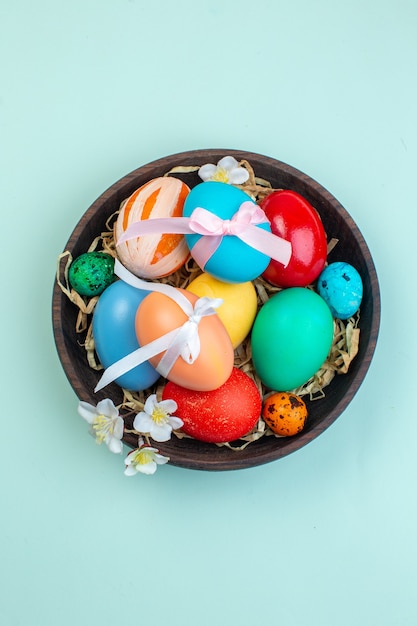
{"type": "Point", "coordinates": [284, 413]}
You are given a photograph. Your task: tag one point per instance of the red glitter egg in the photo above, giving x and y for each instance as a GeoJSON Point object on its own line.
{"type": "Point", "coordinates": [225, 414]}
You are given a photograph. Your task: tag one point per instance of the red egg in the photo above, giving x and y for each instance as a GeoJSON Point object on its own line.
{"type": "Point", "coordinates": [225, 414]}
{"type": "Point", "coordinates": [293, 218]}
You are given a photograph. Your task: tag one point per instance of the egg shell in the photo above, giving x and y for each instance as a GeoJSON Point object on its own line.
{"type": "Point", "coordinates": [91, 272]}
{"type": "Point", "coordinates": [341, 287]}
{"type": "Point", "coordinates": [157, 255]}
{"type": "Point", "coordinates": [225, 414]}
{"type": "Point", "coordinates": [291, 338]}
{"type": "Point", "coordinates": [234, 261]}
{"type": "Point", "coordinates": [284, 413]}
{"type": "Point", "coordinates": [239, 306]}
{"type": "Point", "coordinates": [158, 314]}
{"type": "Point", "coordinates": [293, 218]}
{"type": "Point", "coordinates": [114, 333]}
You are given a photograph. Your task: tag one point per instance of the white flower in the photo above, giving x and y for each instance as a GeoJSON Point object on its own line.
{"type": "Point", "coordinates": [144, 460]}
{"type": "Point", "coordinates": [227, 170]}
{"type": "Point", "coordinates": [106, 425]}
{"type": "Point", "coordinates": [156, 419]}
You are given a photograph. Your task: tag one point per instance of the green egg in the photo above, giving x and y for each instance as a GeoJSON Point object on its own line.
{"type": "Point", "coordinates": [291, 338]}
{"type": "Point", "coordinates": [91, 272]}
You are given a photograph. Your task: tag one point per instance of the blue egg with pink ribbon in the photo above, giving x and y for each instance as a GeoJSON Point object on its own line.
{"type": "Point", "coordinates": [232, 237]}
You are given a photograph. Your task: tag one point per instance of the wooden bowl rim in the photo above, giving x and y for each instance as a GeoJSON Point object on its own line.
{"type": "Point", "coordinates": [258, 455]}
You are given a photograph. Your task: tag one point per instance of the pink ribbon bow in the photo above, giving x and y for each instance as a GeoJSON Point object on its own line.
{"type": "Point", "coordinates": [243, 225]}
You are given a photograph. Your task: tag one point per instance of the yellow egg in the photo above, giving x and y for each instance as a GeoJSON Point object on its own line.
{"type": "Point", "coordinates": [239, 306]}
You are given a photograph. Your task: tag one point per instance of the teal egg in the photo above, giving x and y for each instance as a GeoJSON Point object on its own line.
{"type": "Point", "coordinates": [91, 272]}
{"type": "Point", "coordinates": [234, 261]}
{"type": "Point", "coordinates": [291, 338]}
{"type": "Point", "coordinates": [340, 285]}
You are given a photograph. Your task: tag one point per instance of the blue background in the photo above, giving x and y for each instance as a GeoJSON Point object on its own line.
{"type": "Point", "coordinates": [91, 90]}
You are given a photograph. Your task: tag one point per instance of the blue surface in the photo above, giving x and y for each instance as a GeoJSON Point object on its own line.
{"type": "Point", "coordinates": [91, 90]}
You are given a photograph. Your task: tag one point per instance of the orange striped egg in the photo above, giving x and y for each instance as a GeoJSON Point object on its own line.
{"type": "Point", "coordinates": [153, 256]}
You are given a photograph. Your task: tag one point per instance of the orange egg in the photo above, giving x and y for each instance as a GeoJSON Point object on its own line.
{"type": "Point", "coordinates": [284, 413]}
{"type": "Point", "coordinates": [158, 314]}
{"type": "Point", "coordinates": [157, 255]}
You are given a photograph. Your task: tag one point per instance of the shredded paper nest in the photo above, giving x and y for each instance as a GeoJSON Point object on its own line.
{"type": "Point", "coordinates": [345, 338]}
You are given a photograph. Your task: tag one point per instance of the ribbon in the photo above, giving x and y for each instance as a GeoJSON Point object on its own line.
{"type": "Point", "coordinates": [242, 225]}
{"type": "Point", "coordinates": [181, 342]}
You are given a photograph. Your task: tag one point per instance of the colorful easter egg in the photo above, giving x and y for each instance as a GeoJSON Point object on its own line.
{"type": "Point", "coordinates": [239, 304]}
{"type": "Point", "coordinates": [225, 414]}
{"type": "Point", "coordinates": [293, 218]}
{"type": "Point", "coordinates": [284, 413]}
{"type": "Point", "coordinates": [234, 261]}
{"type": "Point", "coordinates": [115, 336]}
{"type": "Point", "coordinates": [159, 314]}
{"type": "Point", "coordinates": [91, 272]}
{"type": "Point", "coordinates": [153, 255]}
{"type": "Point", "coordinates": [291, 338]}
{"type": "Point", "coordinates": [341, 287]}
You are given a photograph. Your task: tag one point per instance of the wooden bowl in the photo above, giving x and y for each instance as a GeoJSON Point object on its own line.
{"type": "Point", "coordinates": [189, 453]}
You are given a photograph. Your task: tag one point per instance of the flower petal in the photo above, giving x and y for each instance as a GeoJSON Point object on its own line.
{"type": "Point", "coordinates": [238, 176]}
{"type": "Point", "coordinates": [130, 470]}
{"type": "Point", "coordinates": [207, 171]}
{"type": "Point", "coordinates": [161, 432]}
{"type": "Point", "coordinates": [114, 445]}
{"type": "Point", "coordinates": [228, 162]}
{"type": "Point", "coordinates": [150, 404]}
{"type": "Point", "coordinates": [147, 468]}
{"type": "Point", "coordinates": [160, 459]}
{"type": "Point", "coordinates": [176, 422]}
{"type": "Point", "coordinates": [87, 411]}
{"type": "Point", "coordinates": [168, 406]}
{"type": "Point", "coordinates": [106, 407]}
{"type": "Point", "coordinates": [118, 428]}
{"type": "Point", "coordinates": [143, 422]}
{"type": "Point", "coordinates": [131, 456]}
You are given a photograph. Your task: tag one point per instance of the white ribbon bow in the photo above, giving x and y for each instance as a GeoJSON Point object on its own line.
{"type": "Point", "coordinates": [181, 342]}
